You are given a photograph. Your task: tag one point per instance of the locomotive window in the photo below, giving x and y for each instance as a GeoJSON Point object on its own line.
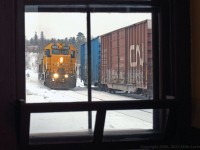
{"type": "Point", "coordinates": [64, 52]}
{"type": "Point", "coordinates": [48, 53]}
{"type": "Point", "coordinates": [72, 54]}
{"type": "Point", "coordinates": [55, 51]}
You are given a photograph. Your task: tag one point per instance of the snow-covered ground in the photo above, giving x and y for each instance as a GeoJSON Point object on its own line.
{"type": "Point", "coordinates": [36, 92]}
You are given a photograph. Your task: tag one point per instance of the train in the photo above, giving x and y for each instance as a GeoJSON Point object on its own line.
{"type": "Point", "coordinates": [95, 62]}
{"type": "Point", "coordinates": [57, 66]}
{"type": "Point", "coordinates": [121, 60]}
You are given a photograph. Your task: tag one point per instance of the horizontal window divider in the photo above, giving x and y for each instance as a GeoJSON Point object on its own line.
{"type": "Point", "coordinates": [60, 2]}
{"type": "Point", "coordinates": [93, 106]}
{"type": "Point", "coordinates": [82, 9]}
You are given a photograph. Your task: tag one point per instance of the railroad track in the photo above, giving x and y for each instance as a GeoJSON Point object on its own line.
{"type": "Point", "coordinates": [142, 114]}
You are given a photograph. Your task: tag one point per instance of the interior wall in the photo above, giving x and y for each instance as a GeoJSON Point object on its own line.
{"type": "Point", "coordinates": [195, 42]}
{"type": "Point", "coordinates": [7, 75]}
{"type": "Point", "coordinates": [8, 79]}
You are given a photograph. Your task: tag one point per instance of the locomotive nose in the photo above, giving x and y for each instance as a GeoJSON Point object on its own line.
{"type": "Point", "coordinates": [61, 71]}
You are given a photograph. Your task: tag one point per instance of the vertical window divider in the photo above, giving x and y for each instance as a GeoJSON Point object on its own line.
{"type": "Point", "coordinates": [99, 126]}
{"type": "Point", "coordinates": [24, 124]}
{"type": "Point", "coordinates": [89, 67]}
{"type": "Point", "coordinates": [156, 67]}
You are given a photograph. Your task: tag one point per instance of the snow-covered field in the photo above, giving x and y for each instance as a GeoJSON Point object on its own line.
{"type": "Point", "coordinates": [36, 92]}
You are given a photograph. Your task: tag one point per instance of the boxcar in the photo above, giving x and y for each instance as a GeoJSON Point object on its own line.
{"type": "Point", "coordinates": [126, 59]}
{"type": "Point", "coordinates": [95, 62]}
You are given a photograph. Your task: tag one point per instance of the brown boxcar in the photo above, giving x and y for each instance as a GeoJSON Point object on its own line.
{"type": "Point", "coordinates": [126, 59]}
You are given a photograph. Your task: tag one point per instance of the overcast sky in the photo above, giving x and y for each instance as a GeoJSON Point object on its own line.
{"type": "Point", "coordinates": [62, 25]}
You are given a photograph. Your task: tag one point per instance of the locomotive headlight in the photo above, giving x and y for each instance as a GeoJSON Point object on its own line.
{"type": "Point", "coordinates": [61, 59]}
{"type": "Point", "coordinates": [66, 76]}
{"type": "Point", "coordinates": [55, 75]}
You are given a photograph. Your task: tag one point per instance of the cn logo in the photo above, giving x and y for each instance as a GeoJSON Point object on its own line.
{"type": "Point", "coordinates": [136, 53]}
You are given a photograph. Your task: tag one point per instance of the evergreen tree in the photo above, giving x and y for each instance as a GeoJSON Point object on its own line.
{"type": "Point", "coordinates": [53, 40]}
{"type": "Point", "coordinates": [31, 41]}
{"type": "Point", "coordinates": [36, 39]}
{"type": "Point", "coordinates": [80, 39]}
{"type": "Point", "coordinates": [66, 41]}
{"type": "Point", "coordinates": [41, 42]}
{"type": "Point", "coordinates": [72, 40]}
{"type": "Point", "coordinates": [27, 43]}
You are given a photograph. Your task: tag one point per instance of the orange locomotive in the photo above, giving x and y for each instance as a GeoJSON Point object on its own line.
{"type": "Point", "coordinates": [58, 66]}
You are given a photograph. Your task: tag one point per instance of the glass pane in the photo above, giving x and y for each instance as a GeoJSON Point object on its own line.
{"type": "Point", "coordinates": [60, 122]}
{"type": "Point", "coordinates": [122, 124]}
{"type": "Point", "coordinates": [52, 51]}
{"type": "Point", "coordinates": [121, 56]}
{"type": "Point", "coordinates": [129, 119]}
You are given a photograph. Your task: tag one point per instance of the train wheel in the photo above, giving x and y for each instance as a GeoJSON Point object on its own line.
{"type": "Point", "coordinates": [101, 87]}
{"type": "Point", "coordinates": [106, 89]}
{"type": "Point", "coordinates": [111, 91]}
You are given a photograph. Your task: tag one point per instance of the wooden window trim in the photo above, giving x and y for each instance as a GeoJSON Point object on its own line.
{"type": "Point", "coordinates": [165, 11]}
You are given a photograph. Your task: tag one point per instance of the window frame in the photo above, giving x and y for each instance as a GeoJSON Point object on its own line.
{"type": "Point", "coordinates": [160, 98]}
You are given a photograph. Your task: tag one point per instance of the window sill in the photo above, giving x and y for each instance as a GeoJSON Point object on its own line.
{"type": "Point", "coordinates": [86, 137]}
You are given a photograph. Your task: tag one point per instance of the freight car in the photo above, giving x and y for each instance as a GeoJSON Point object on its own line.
{"type": "Point", "coordinates": [125, 57]}
{"type": "Point", "coordinates": [58, 66]}
{"type": "Point", "coordinates": [95, 62]}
